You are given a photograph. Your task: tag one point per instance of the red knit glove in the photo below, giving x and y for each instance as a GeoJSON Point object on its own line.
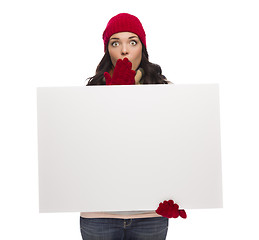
{"type": "Point", "coordinates": [169, 209]}
{"type": "Point", "coordinates": [122, 74]}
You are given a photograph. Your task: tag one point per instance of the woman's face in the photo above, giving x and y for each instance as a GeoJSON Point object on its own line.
{"type": "Point", "coordinates": [125, 44]}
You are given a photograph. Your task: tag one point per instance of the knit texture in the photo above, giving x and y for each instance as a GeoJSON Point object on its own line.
{"type": "Point", "coordinates": [122, 74]}
{"type": "Point", "coordinates": [169, 209]}
{"type": "Point", "coordinates": [124, 22]}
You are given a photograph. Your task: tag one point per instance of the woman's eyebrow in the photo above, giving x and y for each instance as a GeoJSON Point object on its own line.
{"type": "Point", "coordinates": [133, 37]}
{"type": "Point", "coordinates": [119, 38]}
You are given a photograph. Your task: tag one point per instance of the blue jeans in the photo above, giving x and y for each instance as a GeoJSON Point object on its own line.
{"type": "Point", "coordinates": [154, 228]}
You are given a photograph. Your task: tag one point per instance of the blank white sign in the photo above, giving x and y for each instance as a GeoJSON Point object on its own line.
{"type": "Point", "coordinates": [127, 148]}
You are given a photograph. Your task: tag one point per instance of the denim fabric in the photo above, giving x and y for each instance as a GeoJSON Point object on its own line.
{"type": "Point", "coordinates": [154, 228]}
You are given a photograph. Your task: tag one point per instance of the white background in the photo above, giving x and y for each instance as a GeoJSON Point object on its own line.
{"type": "Point", "coordinates": [58, 43]}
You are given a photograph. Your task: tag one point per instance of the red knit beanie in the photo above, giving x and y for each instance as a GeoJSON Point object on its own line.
{"type": "Point", "coordinates": [124, 22]}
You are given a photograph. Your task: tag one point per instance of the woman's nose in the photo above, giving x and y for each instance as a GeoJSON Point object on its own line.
{"type": "Point", "coordinates": [124, 50]}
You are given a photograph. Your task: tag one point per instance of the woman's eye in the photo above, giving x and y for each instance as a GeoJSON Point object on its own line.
{"type": "Point", "coordinates": [115, 44]}
{"type": "Point", "coordinates": [133, 42]}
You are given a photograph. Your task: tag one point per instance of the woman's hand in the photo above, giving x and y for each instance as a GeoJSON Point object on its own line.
{"type": "Point", "coordinates": [122, 74]}
{"type": "Point", "coordinates": [169, 209]}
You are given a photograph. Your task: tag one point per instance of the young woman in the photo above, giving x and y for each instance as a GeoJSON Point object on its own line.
{"type": "Point", "coordinates": [126, 62]}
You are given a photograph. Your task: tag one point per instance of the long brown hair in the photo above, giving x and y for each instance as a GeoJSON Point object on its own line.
{"type": "Point", "coordinates": [152, 72]}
